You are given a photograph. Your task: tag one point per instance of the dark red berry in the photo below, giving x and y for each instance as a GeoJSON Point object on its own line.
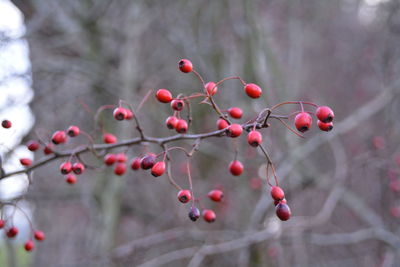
{"type": "Point", "coordinates": [222, 124]}
{"type": "Point", "coordinates": [303, 121]}
{"type": "Point", "coordinates": [324, 114]}
{"type": "Point", "coordinates": [6, 124]}
{"type": "Point", "coordinates": [194, 213]}
{"type": "Point", "coordinates": [158, 169]}
{"type": "Point", "coordinates": [181, 126]}
{"type": "Point", "coordinates": [33, 145]}
{"type": "Point", "coordinates": [66, 167]}
{"type": "Point", "coordinates": [59, 137]}
{"type": "Point", "coordinates": [121, 157]}
{"type": "Point", "coordinates": [254, 138]}
{"type": "Point", "coordinates": [209, 216]}
{"type": "Point", "coordinates": [236, 168]}
{"type": "Point", "coordinates": [171, 122]}
{"type": "Point", "coordinates": [120, 169]}
{"type": "Point", "coordinates": [119, 113]}
{"type": "Point", "coordinates": [184, 196]}
{"type": "Point", "coordinates": [109, 138]}
{"type": "Point", "coordinates": [234, 130]}
{"type": "Point", "coordinates": [163, 95]}
{"type": "Point", "coordinates": [135, 164]}
{"type": "Point", "coordinates": [148, 161]}
{"type": "Point", "coordinates": [185, 65]}
{"type": "Point", "coordinates": [48, 149]}
{"type": "Point", "coordinates": [235, 112]}
{"type": "Point", "coordinates": [283, 211]}
{"type": "Point", "coordinates": [177, 104]}
{"type": "Point", "coordinates": [73, 131]}
{"type": "Point", "coordinates": [325, 126]}
{"type": "Point", "coordinates": [253, 90]}
{"type": "Point", "coordinates": [29, 245]}
{"type": "Point", "coordinates": [12, 232]}
{"type": "Point", "coordinates": [277, 193]}
{"type": "Point", "coordinates": [216, 195]}
{"type": "Point", "coordinates": [71, 178]}
{"type": "Point", "coordinates": [39, 235]}
{"type": "Point", "coordinates": [211, 88]}
{"type": "Point", "coordinates": [78, 168]}
{"type": "Point", "coordinates": [25, 162]}
{"type": "Point", "coordinates": [110, 159]}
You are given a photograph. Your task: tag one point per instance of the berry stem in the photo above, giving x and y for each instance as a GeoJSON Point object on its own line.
{"type": "Point", "coordinates": [293, 102]}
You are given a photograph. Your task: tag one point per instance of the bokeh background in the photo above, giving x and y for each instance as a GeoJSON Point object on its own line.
{"type": "Point", "coordinates": [66, 58]}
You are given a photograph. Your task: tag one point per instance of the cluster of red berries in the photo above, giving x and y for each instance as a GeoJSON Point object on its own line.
{"type": "Point", "coordinates": [281, 208]}
{"type": "Point", "coordinates": [13, 231]}
{"type": "Point", "coordinates": [325, 115]}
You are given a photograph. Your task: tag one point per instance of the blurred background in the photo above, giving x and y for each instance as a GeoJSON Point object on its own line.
{"type": "Point", "coordinates": [61, 60]}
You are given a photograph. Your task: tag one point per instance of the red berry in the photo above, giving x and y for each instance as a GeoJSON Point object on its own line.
{"type": "Point", "coordinates": [120, 169]}
{"type": "Point", "coordinates": [283, 211]}
{"type": "Point", "coordinates": [236, 168]}
{"type": "Point", "coordinates": [39, 235]}
{"type": "Point", "coordinates": [234, 130]}
{"type": "Point", "coordinates": [209, 216]}
{"type": "Point", "coordinates": [119, 113]}
{"type": "Point", "coordinates": [181, 126]}
{"type": "Point", "coordinates": [254, 138]}
{"type": "Point", "coordinates": [177, 104]}
{"type": "Point", "coordinates": [276, 202]}
{"type": "Point", "coordinates": [121, 157]}
{"type": "Point", "coordinates": [185, 65]}
{"type": "Point", "coordinates": [216, 195]}
{"type": "Point", "coordinates": [222, 124]}
{"type": "Point", "coordinates": [25, 161]}
{"type": "Point", "coordinates": [277, 193]}
{"type": "Point", "coordinates": [158, 169]}
{"type": "Point", "coordinates": [59, 137]}
{"type": "Point", "coordinates": [194, 213]}
{"type": "Point", "coordinates": [325, 114]}
{"type": "Point", "coordinates": [184, 196]}
{"type": "Point", "coordinates": [78, 168]}
{"type": "Point", "coordinates": [33, 145]}
{"type": "Point", "coordinates": [109, 138]}
{"type": "Point", "coordinates": [12, 232]}
{"type": "Point", "coordinates": [129, 114]}
{"type": "Point", "coordinates": [148, 161]}
{"type": "Point", "coordinates": [211, 88]}
{"type": "Point", "coordinates": [303, 121]}
{"type": "Point", "coordinates": [73, 131]}
{"type": "Point", "coordinates": [325, 126]}
{"type": "Point", "coordinates": [171, 122]}
{"type": "Point", "coordinates": [163, 95]}
{"type": "Point", "coordinates": [66, 167]}
{"type": "Point", "coordinates": [253, 90]}
{"type": "Point", "coordinates": [378, 142]}
{"type": "Point", "coordinates": [110, 159]}
{"type": "Point", "coordinates": [135, 165]}
{"type": "Point", "coordinates": [395, 185]}
{"type": "Point", "coordinates": [29, 245]}
{"type": "Point", "coordinates": [48, 149]}
{"type": "Point", "coordinates": [6, 124]}
{"type": "Point", "coordinates": [2, 223]}
{"type": "Point", "coordinates": [71, 178]}
{"type": "Point", "coordinates": [235, 112]}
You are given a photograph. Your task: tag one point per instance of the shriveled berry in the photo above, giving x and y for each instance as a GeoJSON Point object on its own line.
{"type": "Point", "coordinates": [185, 65]}
{"type": "Point", "coordinates": [222, 124]}
{"type": "Point", "coordinates": [29, 245]}
{"type": "Point", "coordinates": [163, 95]}
{"type": "Point", "coordinates": [216, 195]}
{"type": "Point", "coordinates": [78, 168]}
{"type": "Point", "coordinates": [254, 138]}
{"type": "Point", "coordinates": [6, 124]}
{"type": "Point", "coordinates": [120, 169]}
{"type": "Point", "coordinates": [184, 196]}
{"type": "Point", "coordinates": [253, 90]}
{"type": "Point", "coordinates": [283, 211]}
{"type": "Point", "coordinates": [119, 113]}
{"type": "Point", "coordinates": [171, 122]}
{"type": "Point", "coordinates": [158, 169]}
{"type": "Point", "coordinates": [135, 164]}
{"type": "Point", "coordinates": [325, 126]}
{"type": "Point", "coordinates": [25, 162]}
{"type": "Point", "coordinates": [209, 216]}
{"type": "Point", "coordinates": [73, 131]}
{"type": "Point", "coordinates": [39, 235]}
{"type": "Point", "coordinates": [234, 130]}
{"type": "Point", "coordinates": [211, 88]}
{"type": "Point", "coordinates": [148, 161]}
{"type": "Point", "coordinates": [236, 168]}
{"type": "Point", "coordinates": [194, 213]}
{"type": "Point", "coordinates": [48, 149]}
{"type": "Point", "coordinates": [59, 137]}
{"type": "Point", "coordinates": [33, 145]}
{"type": "Point", "coordinates": [325, 114]}
{"type": "Point", "coordinates": [277, 193]}
{"type": "Point", "coordinates": [235, 112]}
{"type": "Point", "coordinates": [181, 126]}
{"type": "Point", "coordinates": [12, 232]}
{"type": "Point", "coordinates": [66, 167]}
{"type": "Point", "coordinates": [303, 121]}
{"type": "Point", "coordinates": [71, 178]}
{"type": "Point", "coordinates": [121, 157]}
{"type": "Point", "coordinates": [177, 104]}
{"type": "Point", "coordinates": [109, 138]}
{"type": "Point", "coordinates": [110, 159]}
